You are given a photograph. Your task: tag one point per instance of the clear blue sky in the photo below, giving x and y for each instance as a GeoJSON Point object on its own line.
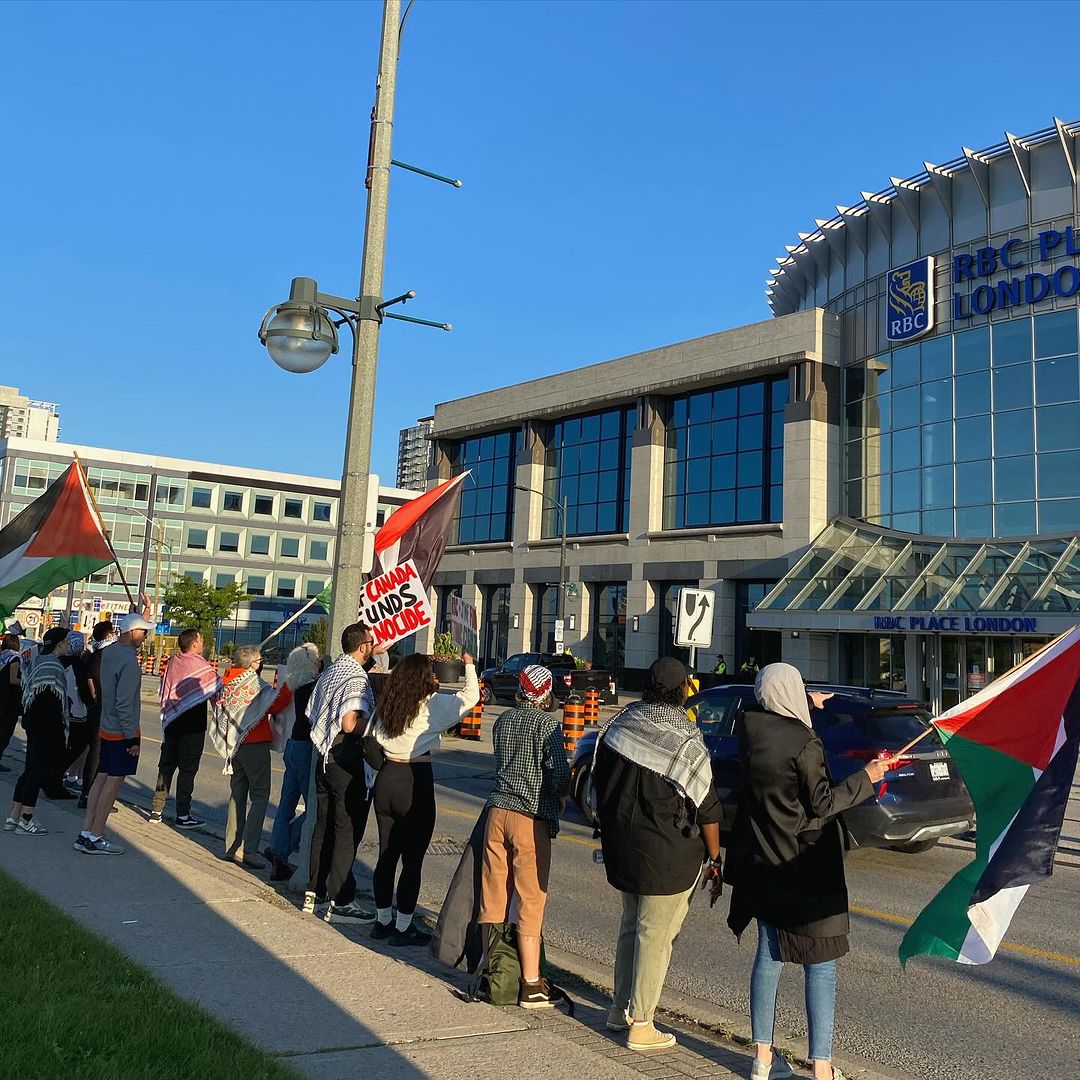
{"type": "Point", "coordinates": [631, 171]}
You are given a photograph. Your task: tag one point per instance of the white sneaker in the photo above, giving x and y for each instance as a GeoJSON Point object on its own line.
{"type": "Point", "coordinates": [102, 846]}
{"type": "Point", "coordinates": [29, 828]}
{"type": "Point", "coordinates": [9, 825]}
{"type": "Point", "coordinates": [778, 1070]}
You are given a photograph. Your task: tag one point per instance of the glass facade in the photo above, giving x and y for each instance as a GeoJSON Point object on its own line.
{"type": "Point", "coordinates": [972, 434]}
{"type": "Point", "coordinates": [724, 461]}
{"type": "Point", "coordinates": [587, 463]}
{"type": "Point", "coordinates": [496, 620]}
{"type": "Point", "coordinates": [486, 511]}
{"type": "Point", "coordinates": [609, 627]}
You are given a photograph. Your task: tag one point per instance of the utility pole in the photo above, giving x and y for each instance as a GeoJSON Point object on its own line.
{"type": "Point", "coordinates": [562, 567]}
{"type": "Point", "coordinates": [349, 568]}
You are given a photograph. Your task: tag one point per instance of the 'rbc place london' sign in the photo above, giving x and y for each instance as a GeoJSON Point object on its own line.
{"type": "Point", "coordinates": [1022, 288]}
{"type": "Point", "coordinates": [909, 300]}
{"type": "Point", "coordinates": [951, 624]}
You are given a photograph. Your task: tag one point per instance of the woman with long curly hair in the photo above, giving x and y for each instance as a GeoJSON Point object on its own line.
{"type": "Point", "coordinates": [410, 716]}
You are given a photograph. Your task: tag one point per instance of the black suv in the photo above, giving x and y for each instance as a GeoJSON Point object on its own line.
{"type": "Point", "coordinates": [500, 683]}
{"type": "Point", "coordinates": [921, 799]}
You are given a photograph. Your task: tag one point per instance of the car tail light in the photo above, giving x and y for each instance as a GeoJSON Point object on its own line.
{"type": "Point", "coordinates": [568, 679]}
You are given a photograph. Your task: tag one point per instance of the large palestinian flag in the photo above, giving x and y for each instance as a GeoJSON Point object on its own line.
{"type": "Point", "coordinates": [1015, 744]}
{"type": "Point", "coordinates": [418, 531]}
{"type": "Point", "coordinates": [58, 538]}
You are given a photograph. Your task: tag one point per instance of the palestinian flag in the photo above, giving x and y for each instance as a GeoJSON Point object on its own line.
{"type": "Point", "coordinates": [58, 538]}
{"type": "Point", "coordinates": [418, 531]}
{"type": "Point", "coordinates": [1015, 744]}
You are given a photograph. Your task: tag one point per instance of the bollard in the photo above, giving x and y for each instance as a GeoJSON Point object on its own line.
{"type": "Point", "coordinates": [693, 688]}
{"type": "Point", "coordinates": [471, 724]}
{"type": "Point", "coordinates": [573, 722]}
{"type": "Point", "coordinates": [592, 707]}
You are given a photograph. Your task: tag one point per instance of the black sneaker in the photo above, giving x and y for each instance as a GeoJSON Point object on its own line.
{"type": "Point", "coordinates": [413, 936]}
{"type": "Point", "coordinates": [155, 817]}
{"type": "Point", "coordinates": [82, 802]}
{"type": "Point", "coordinates": [381, 931]}
{"type": "Point", "coordinates": [538, 995]}
{"type": "Point", "coordinates": [189, 822]}
{"type": "Point", "coordinates": [81, 843]}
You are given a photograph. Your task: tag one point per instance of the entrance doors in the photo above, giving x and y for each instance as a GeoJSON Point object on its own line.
{"type": "Point", "coordinates": [967, 664]}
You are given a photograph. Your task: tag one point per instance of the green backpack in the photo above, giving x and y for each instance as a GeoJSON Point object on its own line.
{"type": "Point", "coordinates": [498, 978]}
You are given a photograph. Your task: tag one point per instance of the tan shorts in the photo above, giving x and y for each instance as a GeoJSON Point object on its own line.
{"type": "Point", "coordinates": [517, 860]}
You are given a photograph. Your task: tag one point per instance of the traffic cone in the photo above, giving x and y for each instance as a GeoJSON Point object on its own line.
{"type": "Point", "coordinates": [471, 724]}
{"type": "Point", "coordinates": [592, 707]}
{"type": "Point", "coordinates": [573, 722]}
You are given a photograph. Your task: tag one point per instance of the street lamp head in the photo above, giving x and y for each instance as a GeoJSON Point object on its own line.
{"type": "Point", "coordinates": [299, 337]}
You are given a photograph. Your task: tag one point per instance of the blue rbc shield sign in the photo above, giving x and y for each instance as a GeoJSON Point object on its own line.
{"type": "Point", "coordinates": [909, 300]}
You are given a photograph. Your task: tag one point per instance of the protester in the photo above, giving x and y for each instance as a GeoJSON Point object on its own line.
{"type": "Point", "coordinates": [411, 717]}
{"type": "Point", "coordinates": [80, 697]}
{"type": "Point", "coordinates": [101, 636]}
{"type": "Point", "coordinates": [785, 862]}
{"type": "Point", "coordinates": [659, 820]}
{"type": "Point", "coordinates": [339, 710]}
{"type": "Point", "coordinates": [241, 735]}
{"type": "Point", "coordinates": [121, 738]}
{"type": "Point", "coordinates": [45, 718]}
{"type": "Point", "coordinates": [187, 685]}
{"type": "Point", "coordinates": [531, 781]}
{"type": "Point", "coordinates": [301, 672]}
{"type": "Point", "coordinates": [10, 691]}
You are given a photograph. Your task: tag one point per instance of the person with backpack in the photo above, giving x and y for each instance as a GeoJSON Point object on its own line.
{"type": "Point", "coordinates": [659, 819]}
{"type": "Point", "coordinates": [531, 782]}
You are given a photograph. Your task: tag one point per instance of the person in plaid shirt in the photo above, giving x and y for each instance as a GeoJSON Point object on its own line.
{"type": "Point", "coordinates": [531, 781]}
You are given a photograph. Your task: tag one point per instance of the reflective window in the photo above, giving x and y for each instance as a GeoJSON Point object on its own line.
{"type": "Point", "coordinates": [233, 501]}
{"type": "Point", "coordinates": [724, 462]}
{"type": "Point", "coordinates": [222, 579]}
{"type": "Point", "coordinates": [200, 497]}
{"type": "Point", "coordinates": [1014, 432]}
{"type": "Point", "coordinates": [286, 586]}
{"type": "Point", "coordinates": [317, 550]}
{"type": "Point", "coordinates": [294, 508]}
{"type": "Point", "coordinates": [1014, 478]}
{"type": "Point", "coordinates": [1013, 387]}
{"type": "Point", "coordinates": [289, 547]}
{"type": "Point", "coordinates": [1056, 380]}
{"type": "Point", "coordinates": [486, 510]}
{"type": "Point", "coordinates": [264, 504]}
{"type": "Point", "coordinates": [228, 541]}
{"type": "Point", "coordinates": [313, 587]}
{"type": "Point", "coordinates": [196, 538]}
{"type": "Point", "coordinates": [170, 492]}
{"type": "Point", "coordinates": [587, 463]}
{"type": "Point", "coordinates": [1055, 334]}
{"type": "Point", "coordinates": [1059, 474]}
{"type": "Point", "coordinates": [256, 585]}
{"type": "Point", "coordinates": [259, 544]}
{"type": "Point", "coordinates": [320, 511]}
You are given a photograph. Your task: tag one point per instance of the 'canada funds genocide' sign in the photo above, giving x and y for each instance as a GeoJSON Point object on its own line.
{"type": "Point", "coordinates": [395, 605]}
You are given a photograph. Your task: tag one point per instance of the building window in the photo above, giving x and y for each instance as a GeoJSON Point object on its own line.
{"type": "Point", "coordinates": [496, 623]}
{"type": "Point", "coordinates": [233, 501]}
{"type": "Point", "coordinates": [264, 504]}
{"type": "Point", "coordinates": [196, 538]}
{"type": "Point", "coordinates": [760, 646]}
{"type": "Point", "coordinates": [294, 508]}
{"type": "Point", "coordinates": [380, 517]}
{"type": "Point", "coordinates": [314, 587]}
{"type": "Point", "coordinates": [444, 594]}
{"type": "Point", "coordinates": [256, 585]}
{"type": "Point", "coordinates": [320, 511]}
{"type": "Point", "coordinates": [286, 586]}
{"type": "Point", "coordinates": [546, 598]}
{"type": "Point", "coordinates": [609, 628]}
{"type": "Point", "coordinates": [587, 463]}
{"type": "Point", "coordinates": [170, 492]}
{"type": "Point", "coordinates": [200, 497]}
{"type": "Point", "coordinates": [259, 544]}
{"type": "Point", "coordinates": [195, 575]}
{"type": "Point", "coordinates": [222, 580]}
{"type": "Point", "coordinates": [228, 541]}
{"type": "Point", "coordinates": [487, 506]}
{"type": "Point", "coordinates": [317, 550]}
{"type": "Point", "coordinates": [289, 547]}
{"type": "Point", "coordinates": [724, 462]}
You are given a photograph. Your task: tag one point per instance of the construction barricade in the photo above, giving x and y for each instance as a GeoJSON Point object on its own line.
{"type": "Point", "coordinates": [471, 724]}
{"type": "Point", "coordinates": [573, 722]}
{"type": "Point", "coordinates": [592, 707]}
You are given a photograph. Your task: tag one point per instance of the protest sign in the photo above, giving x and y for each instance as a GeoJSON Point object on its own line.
{"type": "Point", "coordinates": [463, 631]}
{"type": "Point", "coordinates": [395, 604]}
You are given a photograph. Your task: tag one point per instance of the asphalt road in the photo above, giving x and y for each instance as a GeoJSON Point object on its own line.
{"type": "Point", "coordinates": [1016, 1017]}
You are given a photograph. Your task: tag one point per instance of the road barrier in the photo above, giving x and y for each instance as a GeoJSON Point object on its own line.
{"type": "Point", "coordinates": [573, 724]}
{"type": "Point", "coordinates": [471, 724]}
{"type": "Point", "coordinates": [694, 687]}
{"type": "Point", "coordinates": [592, 707]}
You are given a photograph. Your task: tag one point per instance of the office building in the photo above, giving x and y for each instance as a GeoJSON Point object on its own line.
{"type": "Point", "coordinates": [414, 455]}
{"type": "Point", "coordinates": [23, 418]}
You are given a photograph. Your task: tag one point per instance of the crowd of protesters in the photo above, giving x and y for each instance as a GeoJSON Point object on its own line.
{"type": "Point", "coordinates": [347, 749]}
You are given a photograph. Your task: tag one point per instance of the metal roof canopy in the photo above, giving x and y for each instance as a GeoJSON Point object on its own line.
{"type": "Point", "coordinates": [855, 571]}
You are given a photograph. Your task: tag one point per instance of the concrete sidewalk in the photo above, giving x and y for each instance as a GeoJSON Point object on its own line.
{"type": "Point", "coordinates": [329, 1000]}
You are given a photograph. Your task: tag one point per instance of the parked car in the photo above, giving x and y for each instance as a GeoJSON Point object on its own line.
{"type": "Point", "coordinates": [921, 799]}
{"type": "Point", "coordinates": [500, 683]}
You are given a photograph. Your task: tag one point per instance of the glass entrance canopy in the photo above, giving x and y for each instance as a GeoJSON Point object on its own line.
{"type": "Point", "coordinates": [857, 569]}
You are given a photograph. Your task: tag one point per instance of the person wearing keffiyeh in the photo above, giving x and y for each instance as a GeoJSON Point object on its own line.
{"type": "Point", "coordinates": [659, 819]}
{"type": "Point", "coordinates": [339, 710]}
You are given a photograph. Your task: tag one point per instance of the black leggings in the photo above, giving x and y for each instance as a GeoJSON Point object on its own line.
{"type": "Point", "coordinates": [45, 748]}
{"type": "Point", "coordinates": [405, 811]}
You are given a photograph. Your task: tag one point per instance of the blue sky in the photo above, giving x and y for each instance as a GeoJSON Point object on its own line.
{"type": "Point", "coordinates": [630, 171]}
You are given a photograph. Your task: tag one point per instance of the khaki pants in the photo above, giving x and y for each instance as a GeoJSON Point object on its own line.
{"type": "Point", "coordinates": [250, 779]}
{"type": "Point", "coordinates": [648, 930]}
{"type": "Point", "coordinates": [517, 859]}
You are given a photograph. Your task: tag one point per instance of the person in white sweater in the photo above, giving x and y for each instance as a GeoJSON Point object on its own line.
{"type": "Point", "coordinates": [410, 716]}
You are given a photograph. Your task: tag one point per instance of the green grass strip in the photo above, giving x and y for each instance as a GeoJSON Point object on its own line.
{"type": "Point", "coordinates": [76, 1008]}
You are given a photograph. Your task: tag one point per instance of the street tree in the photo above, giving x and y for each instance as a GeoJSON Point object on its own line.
{"type": "Point", "coordinates": [317, 635]}
{"type": "Point", "coordinates": [196, 603]}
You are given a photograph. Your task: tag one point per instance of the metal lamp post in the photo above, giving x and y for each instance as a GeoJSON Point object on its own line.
{"type": "Point", "coordinates": [301, 334]}
{"type": "Point", "coordinates": [561, 507]}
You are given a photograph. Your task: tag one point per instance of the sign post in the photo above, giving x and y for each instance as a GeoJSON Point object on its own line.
{"type": "Point", "coordinates": [560, 635]}
{"type": "Point", "coordinates": [694, 621]}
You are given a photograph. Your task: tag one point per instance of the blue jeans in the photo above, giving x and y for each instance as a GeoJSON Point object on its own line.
{"type": "Point", "coordinates": [820, 995]}
{"type": "Point", "coordinates": [285, 838]}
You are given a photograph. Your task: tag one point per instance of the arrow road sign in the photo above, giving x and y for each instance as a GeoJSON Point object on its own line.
{"type": "Point", "coordinates": [694, 623]}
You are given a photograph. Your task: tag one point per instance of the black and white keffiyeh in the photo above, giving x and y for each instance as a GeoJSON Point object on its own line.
{"type": "Point", "coordinates": [342, 688]}
{"type": "Point", "coordinates": [662, 739]}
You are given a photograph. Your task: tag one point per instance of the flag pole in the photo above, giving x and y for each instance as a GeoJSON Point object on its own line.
{"type": "Point", "coordinates": [104, 528]}
{"type": "Point", "coordinates": [291, 619]}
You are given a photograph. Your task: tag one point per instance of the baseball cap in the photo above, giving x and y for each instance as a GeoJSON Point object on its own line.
{"type": "Point", "coordinates": [134, 621]}
{"type": "Point", "coordinates": [667, 673]}
{"type": "Point", "coordinates": [535, 683]}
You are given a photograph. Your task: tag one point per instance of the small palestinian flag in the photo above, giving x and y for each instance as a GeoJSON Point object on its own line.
{"type": "Point", "coordinates": [58, 538]}
{"type": "Point", "coordinates": [418, 531]}
{"type": "Point", "coordinates": [1015, 744]}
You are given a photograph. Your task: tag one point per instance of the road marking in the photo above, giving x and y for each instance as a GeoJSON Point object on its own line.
{"type": "Point", "coordinates": [1007, 946]}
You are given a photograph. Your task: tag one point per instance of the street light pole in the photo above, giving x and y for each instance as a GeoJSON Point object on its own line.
{"type": "Point", "coordinates": [349, 568]}
{"type": "Point", "coordinates": [562, 567]}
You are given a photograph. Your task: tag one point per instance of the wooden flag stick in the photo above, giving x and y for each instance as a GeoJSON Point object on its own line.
{"type": "Point", "coordinates": [291, 619]}
{"type": "Point", "coordinates": [104, 528]}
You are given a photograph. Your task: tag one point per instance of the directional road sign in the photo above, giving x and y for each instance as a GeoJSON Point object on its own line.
{"type": "Point", "coordinates": [693, 624]}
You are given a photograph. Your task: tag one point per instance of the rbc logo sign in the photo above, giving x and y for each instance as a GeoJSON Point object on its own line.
{"type": "Point", "coordinates": [909, 300]}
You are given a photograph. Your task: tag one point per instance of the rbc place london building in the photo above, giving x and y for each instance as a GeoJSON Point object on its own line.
{"type": "Point", "coordinates": [880, 484]}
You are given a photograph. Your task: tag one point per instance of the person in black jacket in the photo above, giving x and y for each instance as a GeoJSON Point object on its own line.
{"type": "Point", "coordinates": [785, 861]}
{"type": "Point", "coordinates": [659, 820]}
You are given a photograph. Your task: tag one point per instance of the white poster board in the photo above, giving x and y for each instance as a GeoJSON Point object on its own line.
{"type": "Point", "coordinates": [463, 625]}
{"type": "Point", "coordinates": [395, 604]}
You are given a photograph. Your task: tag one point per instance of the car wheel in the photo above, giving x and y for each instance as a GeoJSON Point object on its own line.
{"type": "Point", "coordinates": [916, 847]}
{"type": "Point", "coordinates": [583, 795]}
{"type": "Point", "coordinates": [486, 695]}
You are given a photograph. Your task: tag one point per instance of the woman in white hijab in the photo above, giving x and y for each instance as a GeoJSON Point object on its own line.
{"type": "Point", "coordinates": [785, 862]}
